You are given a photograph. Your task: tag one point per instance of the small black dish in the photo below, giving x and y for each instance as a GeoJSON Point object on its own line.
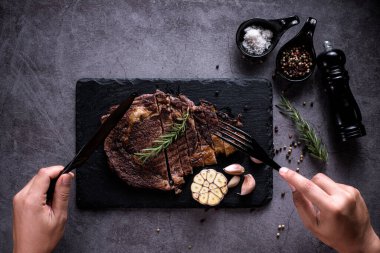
{"type": "Point", "coordinates": [303, 39]}
{"type": "Point", "coordinates": [277, 26]}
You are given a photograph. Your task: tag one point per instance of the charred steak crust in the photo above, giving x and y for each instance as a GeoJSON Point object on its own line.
{"type": "Point", "coordinates": [181, 142]}
{"type": "Point", "coordinates": [149, 117]}
{"type": "Point", "coordinates": [174, 163]}
{"type": "Point", "coordinates": [139, 127]}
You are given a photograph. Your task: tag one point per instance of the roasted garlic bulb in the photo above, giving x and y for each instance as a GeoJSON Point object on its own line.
{"type": "Point", "coordinates": [209, 187]}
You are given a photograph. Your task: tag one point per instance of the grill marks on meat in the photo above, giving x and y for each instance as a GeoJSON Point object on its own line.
{"type": "Point", "coordinates": [150, 116]}
{"type": "Point", "coordinates": [191, 134]}
{"type": "Point", "coordinates": [174, 162]}
{"type": "Point", "coordinates": [182, 144]}
{"type": "Point", "coordinates": [138, 128]}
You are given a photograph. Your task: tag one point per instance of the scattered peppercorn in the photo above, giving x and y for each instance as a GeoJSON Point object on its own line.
{"type": "Point", "coordinates": [304, 103]}
{"type": "Point", "coordinates": [279, 227]}
{"type": "Point", "coordinates": [202, 220]}
{"type": "Point", "coordinates": [278, 235]}
{"type": "Point", "coordinates": [282, 194]}
{"type": "Point", "coordinates": [290, 136]}
{"type": "Point", "coordinates": [190, 246]}
{"type": "Point", "coordinates": [276, 129]}
{"type": "Point", "coordinates": [217, 67]}
{"type": "Point", "coordinates": [311, 104]}
{"type": "Point", "coordinates": [216, 94]}
{"type": "Point", "coordinates": [296, 62]}
{"type": "Point", "coordinates": [158, 230]}
{"type": "Point", "coordinates": [298, 170]}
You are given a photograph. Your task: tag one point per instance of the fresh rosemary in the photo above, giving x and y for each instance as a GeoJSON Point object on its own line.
{"type": "Point", "coordinates": [314, 145]}
{"type": "Point", "coordinates": [163, 142]}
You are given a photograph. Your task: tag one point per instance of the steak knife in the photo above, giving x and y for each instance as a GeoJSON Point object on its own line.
{"type": "Point", "coordinates": [85, 152]}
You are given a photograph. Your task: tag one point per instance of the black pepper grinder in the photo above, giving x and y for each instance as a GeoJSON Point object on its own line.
{"type": "Point", "coordinates": [336, 81]}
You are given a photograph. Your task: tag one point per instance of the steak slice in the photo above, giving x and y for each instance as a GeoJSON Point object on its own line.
{"type": "Point", "coordinates": [192, 135]}
{"type": "Point", "coordinates": [202, 126]}
{"type": "Point", "coordinates": [213, 121]}
{"type": "Point", "coordinates": [181, 142]}
{"type": "Point", "coordinates": [174, 162]}
{"type": "Point", "coordinates": [138, 128]}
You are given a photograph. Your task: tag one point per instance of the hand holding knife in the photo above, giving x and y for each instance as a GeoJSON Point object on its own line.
{"type": "Point", "coordinates": [85, 152]}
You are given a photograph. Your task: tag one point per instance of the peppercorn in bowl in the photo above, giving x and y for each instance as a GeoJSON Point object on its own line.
{"type": "Point", "coordinates": [296, 60]}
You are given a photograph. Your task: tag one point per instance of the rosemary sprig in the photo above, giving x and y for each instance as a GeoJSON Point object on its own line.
{"type": "Point", "coordinates": [163, 142]}
{"type": "Point", "coordinates": [314, 145]}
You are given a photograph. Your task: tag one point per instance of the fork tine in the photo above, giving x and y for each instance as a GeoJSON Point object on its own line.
{"type": "Point", "coordinates": [236, 129]}
{"type": "Point", "coordinates": [248, 137]}
{"type": "Point", "coordinates": [244, 143]}
{"type": "Point", "coordinates": [233, 133]}
{"type": "Point", "coordinates": [230, 140]}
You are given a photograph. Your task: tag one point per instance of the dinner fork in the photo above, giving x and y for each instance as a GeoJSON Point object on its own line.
{"type": "Point", "coordinates": [243, 142]}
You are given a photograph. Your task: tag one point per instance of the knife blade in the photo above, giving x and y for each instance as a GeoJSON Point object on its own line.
{"type": "Point", "coordinates": [85, 152]}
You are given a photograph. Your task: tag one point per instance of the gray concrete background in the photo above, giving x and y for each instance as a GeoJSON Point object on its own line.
{"type": "Point", "coordinates": [45, 46]}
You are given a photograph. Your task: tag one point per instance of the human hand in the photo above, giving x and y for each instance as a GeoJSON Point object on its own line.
{"type": "Point", "coordinates": [333, 212]}
{"type": "Point", "coordinates": [38, 226]}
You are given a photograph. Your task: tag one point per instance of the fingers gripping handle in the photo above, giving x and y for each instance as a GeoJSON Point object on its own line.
{"type": "Point", "coordinates": [53, 183]}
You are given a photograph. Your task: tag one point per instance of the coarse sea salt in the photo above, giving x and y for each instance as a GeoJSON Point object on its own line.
{"type": "Point", "coordinates": [257, 39]}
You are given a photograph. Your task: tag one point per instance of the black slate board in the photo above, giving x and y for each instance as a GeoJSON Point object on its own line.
{"type": "Point", "coordinates": [98, 187]}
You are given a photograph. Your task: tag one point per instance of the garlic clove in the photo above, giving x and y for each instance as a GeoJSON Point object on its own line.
{"type": "Point", "coordinates": [248, 185]}
{"type": "Point", "coordinates": [233, 182]}
{"type": "Point", "coordinates": [234, 169]}
{"type": "Point", "coordinates": [255, 160]}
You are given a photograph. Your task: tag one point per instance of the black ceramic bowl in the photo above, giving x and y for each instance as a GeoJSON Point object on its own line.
{"type": "Point", "coordinates": [303, 39]}
{"type": "Point", "coordinates": [277, 26]}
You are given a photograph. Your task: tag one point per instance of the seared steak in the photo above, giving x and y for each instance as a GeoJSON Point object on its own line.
{"type": "Point", "coordinates": [138, 128]}
{"type": "Point", "coordinates": [150, 116]}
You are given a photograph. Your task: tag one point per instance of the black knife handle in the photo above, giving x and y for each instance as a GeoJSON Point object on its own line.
{"type": "Point", "coordinates": [53, 182]}
{"type": "Point", "coordinates": [50, 191]}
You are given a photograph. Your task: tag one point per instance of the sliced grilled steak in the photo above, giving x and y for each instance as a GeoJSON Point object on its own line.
{"type": "Point", "coordinates": [192, 135]}
{"type": "Point", "coordinates": [202, 126]}
{"type": "Point", "coordinates": [138, 128]}
{"type": "Point", "coordinates": [182, 146]}
{"type": "Point", "coordinates": [150, 116]}
{"type": "Point", "coordinates": [174, 162]}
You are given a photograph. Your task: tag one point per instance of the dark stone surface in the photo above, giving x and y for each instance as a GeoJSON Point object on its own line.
{"type": "Point", "coordinates": [98, 187]}
{"type": "Point", "coordinates": [46, 46]}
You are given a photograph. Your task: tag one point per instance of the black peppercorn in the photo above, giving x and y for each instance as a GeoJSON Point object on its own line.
{"type": "Point", "coordinates": [296, 62]}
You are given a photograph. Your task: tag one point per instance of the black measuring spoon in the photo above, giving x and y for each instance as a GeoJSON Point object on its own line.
{"type": "Point", "coordinates": [303, 40]}
{"type": "Point", "coordinates": [277, 26]}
